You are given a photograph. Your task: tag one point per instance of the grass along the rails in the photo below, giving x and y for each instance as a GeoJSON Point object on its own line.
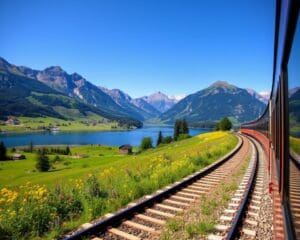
{"type": "Point", "coordinates": [200, 219]}
{"type": "Point", "coordinates": [108, 181]}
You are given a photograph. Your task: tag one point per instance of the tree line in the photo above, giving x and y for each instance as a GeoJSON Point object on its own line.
{"type": "Point", "coordinates": [181, 131]}
{"type": "Point", "coordinates": [224, 125]}
{"type": "Point", "coordinates": [42, 160]}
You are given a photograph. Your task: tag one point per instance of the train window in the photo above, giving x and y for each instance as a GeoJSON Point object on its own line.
{"type": "Point", "coordinates": [277, 138]}
{"type": "Point", "coordinates": [294, 130]}
{"type": "Point", "coordinates": [282, 28]}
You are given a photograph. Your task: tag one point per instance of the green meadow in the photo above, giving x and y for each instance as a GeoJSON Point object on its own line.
{"type": "Point", "coordinates": [89, 123]}
{"type": "Point", "coordinates": [94, 180]}
{"type": "Point", "coordinates": [84, 159]}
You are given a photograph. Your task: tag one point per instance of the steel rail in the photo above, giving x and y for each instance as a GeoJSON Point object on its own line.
{"type": "Point", "coordinates": [234, 229]}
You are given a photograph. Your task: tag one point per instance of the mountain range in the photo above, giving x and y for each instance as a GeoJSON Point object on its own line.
{"type": "Point", "coordinates": [137, 108]}
{"type": "Point", "coordinates": [263, 97]}
{"type": "Point", "coordinates": [160, 101]}
{"type": "Point", "coordinates": [211, 104]}
{"type": "Point", "coordinates": [54, 92]}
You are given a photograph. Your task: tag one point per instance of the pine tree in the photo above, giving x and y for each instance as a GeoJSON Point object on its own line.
{"type": "Point", "coordinates": [146, 143]}
{"type": "Point", "coordinates": [225, 124]}
{"type": "Point", "coordinates": [2, 151]}
{"type": "Point", "coordinates": [68, 151]}
{"type": "Point", "coordinates": [176, 129]}
{"type": "Point", "coordinates": [42, 164]}
{"type": "Point", "coordinates": [160, 138]}
{"type": "Point", "coordinates": [31, 146]}
{"type": "Point", "coordinates": [167, 139]}
{"type": "Point", "coordinates": [185, 128]}
{"type": "Point", "coordinates": [180, 127]}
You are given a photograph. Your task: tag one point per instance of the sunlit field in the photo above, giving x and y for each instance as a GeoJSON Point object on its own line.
{"type": "Point", "coordinates": [89, 123]}
{"type": "Point", "coordinates": [94, 180]}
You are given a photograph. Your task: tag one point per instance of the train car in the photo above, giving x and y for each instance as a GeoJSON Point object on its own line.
{"type": "Point", "coordinates": [278, 129]}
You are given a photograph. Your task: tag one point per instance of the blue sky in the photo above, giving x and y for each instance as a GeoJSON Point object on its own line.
{"type": "Point", "coordinates": [143, 46]}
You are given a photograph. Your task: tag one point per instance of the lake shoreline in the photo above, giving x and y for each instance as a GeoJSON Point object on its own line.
{"type": "Point", "coordinates": [10, 132]}
{"type": "Point", "coordinates": [111, 138]}
{"type": "Point", "coordinates": [65, 131]}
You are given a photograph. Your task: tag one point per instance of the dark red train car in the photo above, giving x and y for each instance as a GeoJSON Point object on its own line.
{"type": "Point", "coordinates": [278, 129]}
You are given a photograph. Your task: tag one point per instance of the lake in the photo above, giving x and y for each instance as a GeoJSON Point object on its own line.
{"type": "Point", "coordinates": [115, 138]}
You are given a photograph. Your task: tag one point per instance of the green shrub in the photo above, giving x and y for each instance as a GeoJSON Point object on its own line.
{"type": "Point", "coordinates": [67, 163]}
{"type": "Point", "coordinates": [30, 147]}
{"type": "Point", "coordinates": [67, 151]}
{"type": "Point", "coordinates": [183, 136]}
{"type": "Point", "coordinates": [93, 188]}
{"type": "Point", "coordinates": [42, 164]}
{"type": "Point", "coordinates": [25, 213]}
{"type": "Point", "coordinates": [224, 125]}
{"type": "Point", "coordinates": [167, 139]}
{"type": "Point", "coordinates": [57, 159]}
{"type": "Point", "coordinates": [159, 138]}
{"type": "Point", "coordinates": [35, 210]}
{"type": "Point", "coordinates": [146, 143]}
{"type": "Point", "coordinates": [67, 205]}
{"type": "Point", "coordinates": [96, 207]}
{"type": "Point", "coordinates": [180, 127]}
{"type": "Point", "coordinates": [3, 155]}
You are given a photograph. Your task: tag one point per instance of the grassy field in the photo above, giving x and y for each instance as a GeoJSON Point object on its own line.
{"type": "Point", "coordinates": [80, 189]}
{"type": "Point", "coordinates": [15, 173]}
{"type": "Point", "coordinates": [90, 123]}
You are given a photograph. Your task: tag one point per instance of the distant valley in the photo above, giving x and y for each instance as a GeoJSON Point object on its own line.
{"type": "Point", "coordinates": [55, 93]}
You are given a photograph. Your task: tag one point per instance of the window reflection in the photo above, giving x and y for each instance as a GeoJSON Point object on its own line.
{"type": "Point", "coordinates": [294, 130]}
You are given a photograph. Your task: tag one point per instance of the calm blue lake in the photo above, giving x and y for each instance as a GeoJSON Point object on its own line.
{"type": "Point", "coordinates": [116, 138]}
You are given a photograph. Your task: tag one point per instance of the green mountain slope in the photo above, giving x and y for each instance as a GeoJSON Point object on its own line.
{"type": "Point", "coordinates": [72, 85]}
{"type": "Point", "coordinates": [211, 104]}
{"type": "Point", "coordinates": [23, 96]}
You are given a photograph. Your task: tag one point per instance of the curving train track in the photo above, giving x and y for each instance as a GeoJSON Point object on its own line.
{"type": "Point", "coordinates": [295, 192]}
{"type": "Point", "coordinates": [240, 220]}
{"type": "Point", "coordinates": [145, 219]}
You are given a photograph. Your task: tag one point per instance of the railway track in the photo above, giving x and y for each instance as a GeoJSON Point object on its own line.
{"type": "Point", "coordinates": [240, 219]}
{"type": "Point", "coordinates": [295, 192]}
{"type": "Point", "coordinates": [146, 218]}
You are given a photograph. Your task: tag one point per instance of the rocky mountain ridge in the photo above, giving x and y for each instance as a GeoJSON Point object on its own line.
{"type": "Point", "coordinates": [210, 104]}
{"type": "Point", "coordinates": [214, 102]}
